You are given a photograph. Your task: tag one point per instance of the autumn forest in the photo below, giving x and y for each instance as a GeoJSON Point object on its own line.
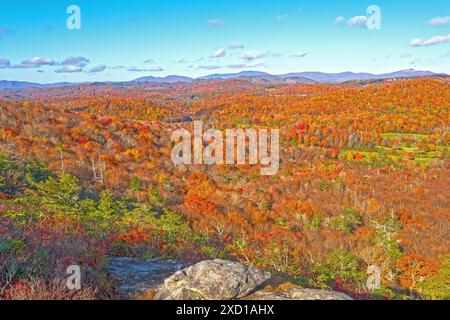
{"type": "Point", "coordinates": [86, 174]}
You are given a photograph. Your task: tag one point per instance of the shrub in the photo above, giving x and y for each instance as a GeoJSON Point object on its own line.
{"type": "Point", "coordinates": [348, 221]}
{"type": "Point", "coordinates": [386, 235]}
{"type": "Point", "coordinates": [340, 266]}
{"type": "Point", "coordinates": [438, 285]}
{"type": "Point", "coordinates": [315, 223]}
{"type": "Point", "coordinates": [415, 269]}
{"type": "Point", "coordinates": [59, 194]}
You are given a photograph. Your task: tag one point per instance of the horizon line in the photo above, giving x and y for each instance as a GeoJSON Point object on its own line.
{"type": "Point", "coordinates": [228, 73]}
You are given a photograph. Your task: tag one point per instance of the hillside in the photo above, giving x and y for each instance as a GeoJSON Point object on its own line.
{"type": "Point", "coordinates": [86, 174]}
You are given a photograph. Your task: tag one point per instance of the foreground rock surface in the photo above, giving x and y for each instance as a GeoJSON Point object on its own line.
{"type": "Point", "coordinates": [135, 277]}
{"type": "Point", "coordinates": [300, 294]}
{"type": "Point", "coordinates": [212, 280]}
{"type": "Point", "coordinates": [207, 280]}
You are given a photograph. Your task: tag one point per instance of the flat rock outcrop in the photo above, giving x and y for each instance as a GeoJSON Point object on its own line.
{"type": "Point", "coordinates": [135, 277]}
{"type": "Point", "coordinates": [300, 294]}
{"type": "Point", "coordinates": [212, 280]}
{"type": "Point", "coordinates": [208, 280]}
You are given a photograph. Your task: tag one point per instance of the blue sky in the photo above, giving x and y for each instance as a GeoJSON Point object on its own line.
{"type": "Point", "coordinates": [123, 40]}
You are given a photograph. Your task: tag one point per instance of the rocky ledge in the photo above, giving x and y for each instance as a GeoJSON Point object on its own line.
{"type": "Point", "coordinates": [208, 280]}
{"type": "Point", "coordinates": [134, 277]}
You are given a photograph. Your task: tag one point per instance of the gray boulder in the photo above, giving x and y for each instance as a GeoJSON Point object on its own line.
{"type": "Point", "coordinates": [212, 280]}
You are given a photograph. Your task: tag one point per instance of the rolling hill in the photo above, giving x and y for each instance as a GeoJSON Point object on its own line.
{"type": "Point", "coordinates": [252, 76]}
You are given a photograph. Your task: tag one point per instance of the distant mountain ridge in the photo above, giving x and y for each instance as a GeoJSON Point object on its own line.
{"type": "Point", "coordinates": [351, 76]}
{"type": "Point", "coordinates": [5, 84]}
{"type": "Point", "coordinates": [254, 76]}
{"type": "Point", "coordinates": [241, 74]}
{"type": "Point", "coordinates": [168, 79]}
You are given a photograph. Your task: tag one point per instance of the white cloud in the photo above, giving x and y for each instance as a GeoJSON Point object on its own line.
{"type": "Point", "coordinates": [430, 42]}
{"type": "Point", "coordinates": [216, 23]}
{"type": "Point", "coordinates": [252, 55]}
{"type": "Point", "coordinates": [300, 54]}
{"type": "Point", "coordinates": [339, 20]}
{"type": "Point", "coordinates": [75, 61]}
{"type": "Point", "coordinates": [40, 61]}
{"type": "Point", "coordinates": [149, 61]}
{"type": "Point", "coordinates": [439, 21]}
{"type": "Point", "coordinates": [137, 69]}
{"type": "Point", "coordinates": [237, 66]}
{"type": "Point", "coordinates": [157, 69]}
{"type": "Point", "coordinates": [245, 65]}
{"type": "Point", "coordinates": [209, 67]}
{"type": "Point", "coordinates": [275, 54]}
{"type": "Point", "coordinates": [357, 22]}
{"type": "Point", "coordinates": [219, 53]}
{"type": "Point", "coordinates": [4, 63]}
{"type": "Point", "coordinates": [97, 68]}
{"type": "Point", "coordinates": [35, 63]}
{"type": "Point", "coordinates": [236, 46]}
{"type": "Point", "coordinates": [69, 69]}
